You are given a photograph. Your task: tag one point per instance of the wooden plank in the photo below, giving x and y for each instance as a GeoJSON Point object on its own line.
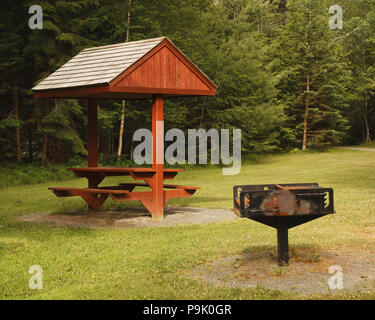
{"type": "Point", "coordinates": [185, 77]}
{"type": "Point", "coordinates": [92, 125]}
{"type": "Point", "coordinates": [166, 186]}
{"type": "Point", "coordinates": [148, 75]}
{"type": "Point", "coordinates": [82, 80]}
{"type": "Point", "coordinates": [136, 80]}
{"type": "Point", "coordinates": [163, 80]}
{"type": "Point", "coordinates": [79, 191]}
{"type": "Point", "coordinates": [125, 53]}
{"type": "Point", "coordinates": [173, 71]}
{"type": "Point", "coordinates": [129, 93]}
{"type": "Point", "coordinates": [157, 179]}
{"type": "Point", "coordinates": [99, 70]}
{"type": "Point", "coordinates": [136, 173]}
{"type": "Point", "coordinates": [178, 74]}
{"type": "Point", "coordinates": [96, 61]}
{"type": "Point", "coordinates": [155, 72]}
{"type": "Point", "coordinates": [167, 69]}
{"type": "Point", "coordinates": [68, 85]}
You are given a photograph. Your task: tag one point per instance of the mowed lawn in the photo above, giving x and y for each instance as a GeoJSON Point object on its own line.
{"type": "Point", "coordinates": [82, 263]}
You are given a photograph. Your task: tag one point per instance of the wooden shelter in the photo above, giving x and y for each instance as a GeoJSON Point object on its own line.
{"type": "Point", "coordinates": [146, 69]}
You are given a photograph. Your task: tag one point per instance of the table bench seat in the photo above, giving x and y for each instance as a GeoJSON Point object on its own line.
{"type": "Point", "coordinates": [132, 185]}
{"type": "Point", "coordinates": [97, 174]}
{"type": "Point", "coordinates": [71, 192]}
{"type": "Point", "coordinates": [95, 197]}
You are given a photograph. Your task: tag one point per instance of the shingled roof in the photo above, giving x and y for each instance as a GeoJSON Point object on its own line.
{"type": "Point", "coordinates": [98, 65]}
{"type": "Point", "coordinates": [134, 69]}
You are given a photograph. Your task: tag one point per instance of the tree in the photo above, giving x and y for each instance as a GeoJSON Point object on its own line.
{"type": "Point", "coordinates": [12, 63]}
{"type": "Point", "coordinates": [359, 39]}
{"type": "Point", "coordinates": [234, 35]}
{"type": "Point", "coordinates": [68, 27]}
{"type": "Point", "coordinates": [284, 77]}
{"type": "Point", "coordinates": [312, 75]}
{"type": "Point", "coordinates": [121, 133]}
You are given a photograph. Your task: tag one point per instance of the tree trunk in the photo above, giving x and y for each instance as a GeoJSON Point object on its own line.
{"type": "Point", "coordinates": [128, 25]}
{"type": "Point", "coordinates": [18, 128]}
{"type": "Point", "coordinates": [131, 148]}
{"type": "Point", "coordinates": [306, 115]}
{"type": "Point", "coordinates": [121, 133]}
{"type": "Point", "coordinates": [45, 145]}
{"type": "Point", "coordinates": [30, 138]}
{"type": "Point", "coordinates": [106, 145]}
{"type": "Point", "coordinates": [202, 112]}
{"type": "Point", "coordinates": [365, 118]}
{"type": "Point", "coordinates": [307, 98]}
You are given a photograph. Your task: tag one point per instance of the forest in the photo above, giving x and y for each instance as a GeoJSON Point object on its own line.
{"type": "Point", "coordinates": [285, 78]}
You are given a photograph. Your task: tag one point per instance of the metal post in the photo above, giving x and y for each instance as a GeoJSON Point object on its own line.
{"type": "Point", "coordinates": [282, 244]}
{"type": "Point", "coordinates": [157, 158]}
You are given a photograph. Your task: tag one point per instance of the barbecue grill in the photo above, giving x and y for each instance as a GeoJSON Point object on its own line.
{"type": "Point", "coordinates": [283, 206]}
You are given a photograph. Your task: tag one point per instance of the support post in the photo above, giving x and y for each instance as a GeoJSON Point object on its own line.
{"type": "Point", "coordinates": [282, 244]}
{"type": "Point", "coordinates": [92, 137]}
{"type": "Point", "coordinates": [157, 158]}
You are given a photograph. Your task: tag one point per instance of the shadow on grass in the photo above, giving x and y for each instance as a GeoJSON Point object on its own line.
{"type": "Point", "coordinates": [302, 252]}
{"type": "Point", "coordinates": [120, 213]}
{"type": "Point", "coordinates": [195, 200]}
{"type": "Point", "coordinates": [43, 232]}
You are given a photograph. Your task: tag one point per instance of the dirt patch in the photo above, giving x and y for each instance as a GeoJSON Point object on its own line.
{"type": "Point", "coordinates": [307, 272]}
{"type": "Point", "coordinates": [367, 233]}
{"type": "Point", "coordinates": [132, 218]}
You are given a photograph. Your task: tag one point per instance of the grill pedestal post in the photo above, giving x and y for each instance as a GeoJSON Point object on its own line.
{"type": "Point", "coordinates": [282, 245]}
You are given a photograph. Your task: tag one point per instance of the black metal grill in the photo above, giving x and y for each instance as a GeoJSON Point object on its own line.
{"type": "Point", "coordinates": [283, 206]}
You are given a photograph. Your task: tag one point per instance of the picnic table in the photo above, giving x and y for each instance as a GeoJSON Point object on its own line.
{"type": "Point", "coordinates": [95, 195]}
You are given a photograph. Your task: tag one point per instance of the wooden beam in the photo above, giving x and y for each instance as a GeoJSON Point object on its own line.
{"type": "Point", "coordinates": [157, 158]}
{"type": "Point", "coordinates": [128, 93]}
{"type": "Point", "coordinates": [92, 137]}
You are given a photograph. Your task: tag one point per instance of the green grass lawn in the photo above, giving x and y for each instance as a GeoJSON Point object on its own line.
{"type": "Point", "coordinates": [82, 263]}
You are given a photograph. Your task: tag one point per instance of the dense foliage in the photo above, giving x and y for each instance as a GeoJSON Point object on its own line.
{"type": "Point", "coordinates": [285, 78]}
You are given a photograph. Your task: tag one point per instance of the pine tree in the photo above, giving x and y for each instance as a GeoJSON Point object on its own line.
{"type": "Point", "coordinates": [13, 33]}
{"type": "Point", "coordinates": [234, 36]}
{"type": "Point", "coordinates": [311, 70]}
{"type": "Point", "coordinates": [359, 39]}
{"type": "Point", "coordinates": [66, 30]}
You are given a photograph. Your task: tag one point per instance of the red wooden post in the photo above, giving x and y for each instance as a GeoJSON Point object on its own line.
{"type": "Point", "coordinates": [92, 138]}
{"type": "Point", "coordinates": [157, 158]}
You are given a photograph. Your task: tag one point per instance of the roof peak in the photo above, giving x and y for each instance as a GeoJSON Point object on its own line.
{"type": "Point", "coordinates": [120, 44]}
